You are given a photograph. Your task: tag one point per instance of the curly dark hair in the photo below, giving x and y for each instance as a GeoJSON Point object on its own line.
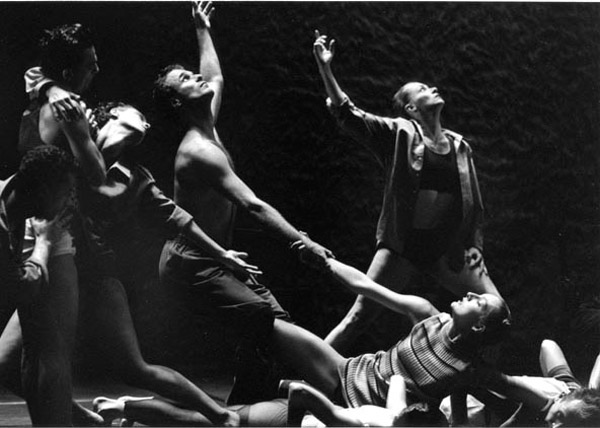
{"type": "Point", "coordinates": [44, 165]}
{"type": "Point", "coordinates": [62, 48]}
{"type": "Point", "coordinates": [163, 93]}
{"type": "Point", "coordinates": [103, 114]}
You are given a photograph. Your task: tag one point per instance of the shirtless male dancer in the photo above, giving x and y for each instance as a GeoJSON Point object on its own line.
{"type": "Point", "coordinates": [207, 187]}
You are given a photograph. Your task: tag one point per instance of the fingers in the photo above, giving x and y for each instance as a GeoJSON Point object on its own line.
{"type": "Point", "coordinates": [332, 46]}
{"type": "Point", "coordinates": [208, 9]}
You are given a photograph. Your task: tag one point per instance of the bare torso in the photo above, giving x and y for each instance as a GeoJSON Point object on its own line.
{"type": "Point", "coordinates": [195, 189]}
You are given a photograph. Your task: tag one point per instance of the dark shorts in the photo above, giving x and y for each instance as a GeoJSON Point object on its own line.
{"type": "Point", "coordinates": [211, 290]}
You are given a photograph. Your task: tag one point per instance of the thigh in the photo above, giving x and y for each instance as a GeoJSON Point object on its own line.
{"type": "Point", "coordinates": [107, 323]}
{"type": "Point", "coordinates": [268, 297]}
{"type": "Point", "coordinates": [391, 270]}
{"type": "Point", "coordinates": [475, 279]}
{"type": "Point", "coordinates": [315, 360]}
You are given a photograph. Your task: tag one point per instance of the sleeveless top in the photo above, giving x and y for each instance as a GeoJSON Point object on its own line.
{"type": "Point", "coordinates": [429, 362]}
{"type": "Point", "coordinates": [29, 131]}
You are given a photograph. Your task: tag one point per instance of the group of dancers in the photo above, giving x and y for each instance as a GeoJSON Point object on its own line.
{"type": "Point", "coordinates": [80, 198]}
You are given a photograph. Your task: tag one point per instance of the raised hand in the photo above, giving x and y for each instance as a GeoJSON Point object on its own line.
{"type": "Point", "coordinates": [64, 104]}
{"type": "Point", "coordinates": [202, 12]}
{"type": "Point", "coordinates": [234, 260]}
{"type": "Point", "coordinates": [50, 230]}
{"type": "Point", "coordinates": [322, 50]}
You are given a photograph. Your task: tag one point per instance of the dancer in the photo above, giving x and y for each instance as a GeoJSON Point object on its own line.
{"type": "Point", "coordinates": [156, 412]}
{"type": "Point", "coordinates": [117, 211]}
{"type": "Point", "coordinates": [67, 57]}
{"type": "Point", "coordinates": [432, 209]}
{"type": "Point", "coordinates": [204, 177]}
{"type": "Point", "coordinates": [556, 399]}
{"type": "Point", "coordinates": [40, 188]}
{"type": "Point", "coordinates": [434, 359]}
{"type": "Point", "coordinates": [301, 398]}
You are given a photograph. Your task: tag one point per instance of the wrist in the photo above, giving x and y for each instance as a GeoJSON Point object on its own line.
{"type": "Point", "coordinates": [303, 240]}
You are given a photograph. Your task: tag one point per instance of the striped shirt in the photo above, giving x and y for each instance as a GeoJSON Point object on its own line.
{"type": "Point", "coordinates": [430, 363]}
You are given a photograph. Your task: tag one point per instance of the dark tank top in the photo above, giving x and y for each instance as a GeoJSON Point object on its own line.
{"type": "Point", "coordinates": [29, 132]}
{"type": "Point", "coordinates": [439, 173]}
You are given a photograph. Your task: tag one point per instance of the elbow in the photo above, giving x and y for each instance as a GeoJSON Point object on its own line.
{"type": "Point", "coordinates": [256, 207]}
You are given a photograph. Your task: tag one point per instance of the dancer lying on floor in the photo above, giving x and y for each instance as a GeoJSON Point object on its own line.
{"type": "Point", "coordinates": [447, 345]}
{"type": "Point", "coordinates": [555, 399]}
{"type": "Point", "coordinates": [301, 398]}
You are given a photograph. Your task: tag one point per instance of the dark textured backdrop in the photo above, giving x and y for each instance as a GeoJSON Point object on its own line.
{"type": "Point", "coordinates": [521, 81]}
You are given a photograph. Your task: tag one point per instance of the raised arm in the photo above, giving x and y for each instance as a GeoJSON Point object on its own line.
{"type": "Point", "coordinates": [84, 149]}
{"type": "Point", "coordinates": [324, 53]}
{"type": "Point", "coordinates": [209, 164]}
{"type": "Point", "coordinates": [417, 308]}
{"type": "Point", "coordinates": [376, 132]}
{"type": "Point", "coordinates": [210, 68]}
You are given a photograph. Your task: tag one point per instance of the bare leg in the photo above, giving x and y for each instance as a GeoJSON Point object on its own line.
{"type": "Point", "coordinates": [551, 357]}
{"type": "Point", "coordinates": [387, 269]}
{"type": "Point", "coordinates": [107, 313]}
{"type": "Point", "coordinates": [303, 397]}
{"type": "Point", "coordinates": [155, 412]}
{"type": "Point", "coordinates": [308, 354]}
{"type": "Point", "coordinates": [49, 321]}
{"type": "Point", "coordinates": [473, 277]}
{"type": "Point", "coordinates": [11, 343]}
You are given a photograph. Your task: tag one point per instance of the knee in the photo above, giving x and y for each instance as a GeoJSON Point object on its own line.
{"type": "Point", "coordinates": [548, 346]}
{"type": "Point", "coordinates": [297, 392]}
{"type": "Point", "coordinates": [134, 372]}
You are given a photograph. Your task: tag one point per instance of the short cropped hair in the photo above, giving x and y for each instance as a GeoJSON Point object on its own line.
{"type": "Point", "coordinates": [62, 48]}
{"type": "Point", "coordinates": [163, 93]}
{"type": "Point", "coordinates": [497, 324]}
{"type": "Point", "coordinates": [588, 413]}
{"type": "Point", "coordinates": [400, 100]}
{"type": "Point", "coordinates": [45, 165]}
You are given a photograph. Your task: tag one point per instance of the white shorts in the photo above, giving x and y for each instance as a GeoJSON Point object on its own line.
{"type": "Point", "coordinates": [64, 245]}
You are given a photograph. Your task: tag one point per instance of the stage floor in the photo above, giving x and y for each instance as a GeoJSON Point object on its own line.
{"type": "Point", "coordinates": [13, 411]}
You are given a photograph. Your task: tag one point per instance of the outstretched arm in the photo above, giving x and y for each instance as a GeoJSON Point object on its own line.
{"type": "Point", "coordinates": [210, 68]}
{"type": "Point", "coordinates": [417, 308]}
{"type": "Point", "coordinates": [324, 53]}
{"type": "Point", "coordinates": [212, 166]}
{"type": "Point", "coordinates": [515, 387]}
